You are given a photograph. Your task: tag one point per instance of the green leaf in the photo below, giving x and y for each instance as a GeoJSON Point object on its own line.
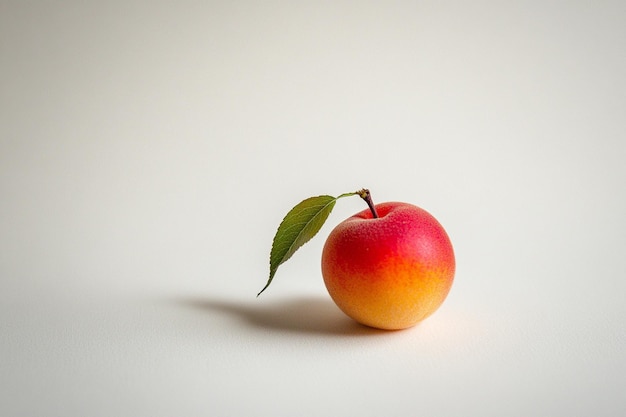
{"type": "Point", "coordinates": [298, 227]}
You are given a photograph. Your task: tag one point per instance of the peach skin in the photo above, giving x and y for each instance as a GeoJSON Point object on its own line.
{"type": "Point", "coordinates": [390, 266]}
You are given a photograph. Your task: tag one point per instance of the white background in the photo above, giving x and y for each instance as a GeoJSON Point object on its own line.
{"type": "Point", "coordinates": [148, 151]}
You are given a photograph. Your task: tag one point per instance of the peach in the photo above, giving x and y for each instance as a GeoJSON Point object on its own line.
{"type": "Point", "coordinates": [392, 271]}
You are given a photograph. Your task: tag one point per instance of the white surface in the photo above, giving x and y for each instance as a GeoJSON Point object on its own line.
{"type": "Point", "coordinates": [148, 152]}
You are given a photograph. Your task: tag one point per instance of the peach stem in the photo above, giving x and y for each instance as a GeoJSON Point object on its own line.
{"type": "Point", "coordinates": [365, 195]}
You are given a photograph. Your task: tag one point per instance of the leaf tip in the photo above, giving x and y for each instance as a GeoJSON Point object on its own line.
{"type": "Point", "coordinates": [269, 281]}
{"type": "Point", "coordinates": [266, 285]}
